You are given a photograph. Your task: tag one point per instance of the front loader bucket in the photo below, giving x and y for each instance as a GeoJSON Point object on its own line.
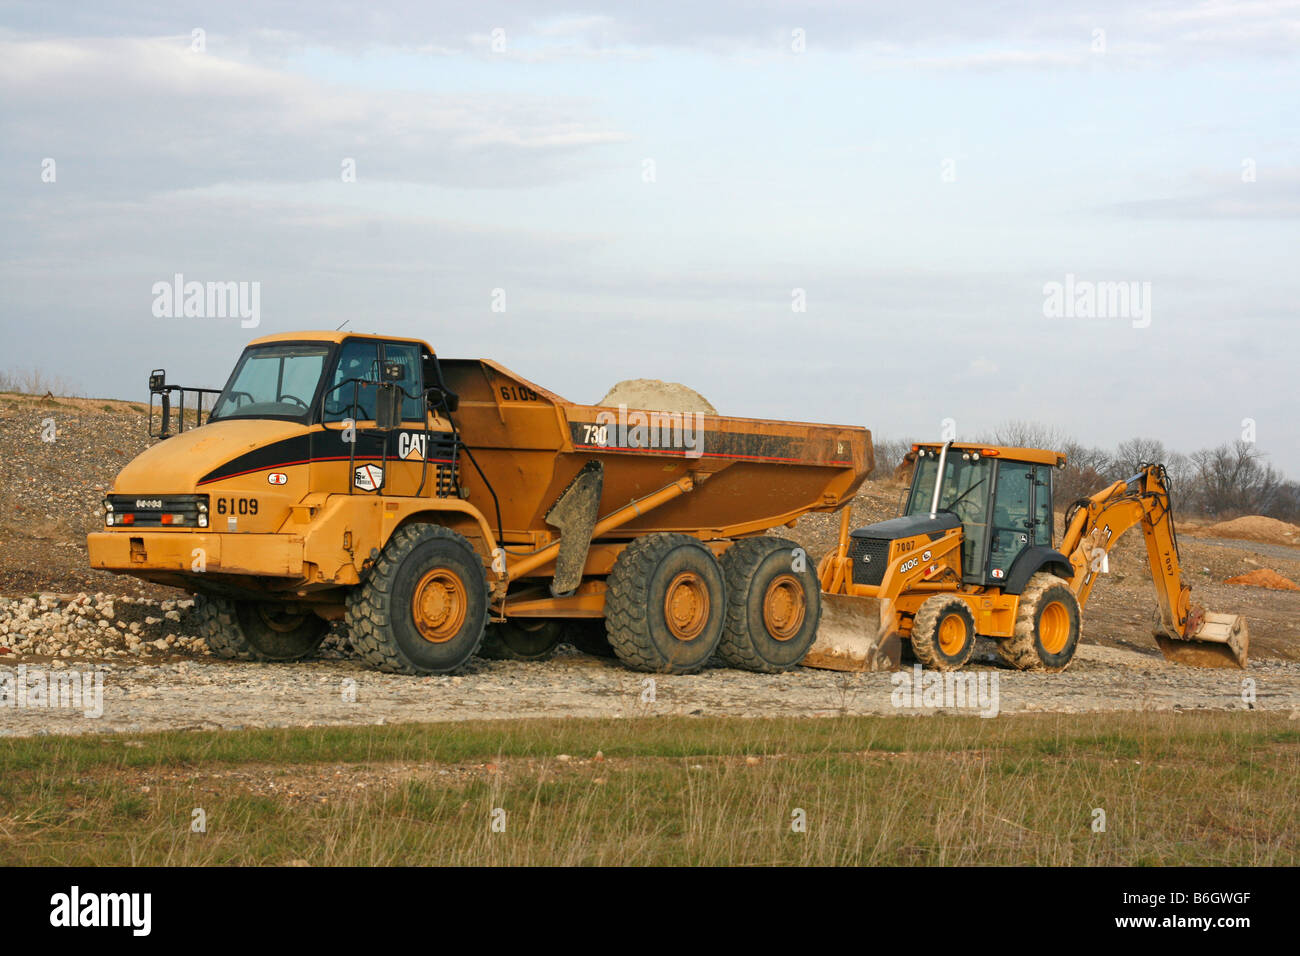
{"type": "Point", "coordinates": [1221, 640]}
{"type": "Point", "coordinates": [850, 637]}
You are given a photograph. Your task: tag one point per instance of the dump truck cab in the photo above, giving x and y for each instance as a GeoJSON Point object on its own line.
{"type": "Point", "coordinates": [227, 502]}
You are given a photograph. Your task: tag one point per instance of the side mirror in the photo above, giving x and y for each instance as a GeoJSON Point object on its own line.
{"type": "Point", "coordinates": [388, 406]}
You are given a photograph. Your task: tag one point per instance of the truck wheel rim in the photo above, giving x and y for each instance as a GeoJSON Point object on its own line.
{"type": "Point", "coordinates": [952, 634]}
{"type": "Point", "coordinates": [278, 620]}
{"type": "Point", "coordinates": [686, 606]}
{"type": "Point", "coordinates": [439, 605]}
{"type": "Point", "coordinates": [1054, 627]}
{"type": "Point", "coordinates": [784, 607]}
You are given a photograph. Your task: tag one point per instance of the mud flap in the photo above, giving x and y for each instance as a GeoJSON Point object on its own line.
{"type": "Point", "coordinates": [1216, 640]}
{"type": "Point", "coordinates": [853, 636]}
{"type": "Point", "coordinates": [574, 514]}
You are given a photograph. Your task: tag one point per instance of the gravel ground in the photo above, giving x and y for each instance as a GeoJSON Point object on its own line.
{"type": "Point", "coordinates": [207, 694]}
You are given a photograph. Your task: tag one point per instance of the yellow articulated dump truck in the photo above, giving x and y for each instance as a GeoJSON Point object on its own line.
{"type": "Point", "coordinates": [448, 507]}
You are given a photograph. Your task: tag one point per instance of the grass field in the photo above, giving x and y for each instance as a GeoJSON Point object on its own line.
{"type": "Point", "coordinates": [1175, 788]}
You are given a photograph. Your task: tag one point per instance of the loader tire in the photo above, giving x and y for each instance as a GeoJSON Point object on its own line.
{"type": "Point", "coordinates": [521, 640]}
{"type": "Point", "coordinates": [943, 633]}
{"type": "Point", "coordinates": [772, 610]}
{"type": "Point", "coordinates": [257, 630]}
{"type": "Point", "coordinates": [423, 607]}
{"type": "Point", "coordinates": [1047, 626]}
{"type": "Point", "coordinates": [589, 636]}
{"type": "Point", "coordinates": [666, 604]}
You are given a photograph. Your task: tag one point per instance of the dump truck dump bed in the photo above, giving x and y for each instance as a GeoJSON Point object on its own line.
{"type": "Point", "coordinates": [750, 474]}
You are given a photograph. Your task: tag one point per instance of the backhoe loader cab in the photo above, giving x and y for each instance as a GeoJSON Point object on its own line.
{"type": "Point", "coordinates": [1002, 499]}
{"type": "Point", "coordinates": [974, 555]}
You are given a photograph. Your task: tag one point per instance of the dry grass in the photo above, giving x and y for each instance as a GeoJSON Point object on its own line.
{"type": "Point", "coordinates": [1177, 789]}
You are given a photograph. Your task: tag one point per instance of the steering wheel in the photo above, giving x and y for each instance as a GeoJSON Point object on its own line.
{"type": "Point", "coordinates": [293, 398]}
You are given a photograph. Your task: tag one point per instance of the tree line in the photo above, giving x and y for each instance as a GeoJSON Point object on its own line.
{"type": "Point", "coordinates": [1217, 483]}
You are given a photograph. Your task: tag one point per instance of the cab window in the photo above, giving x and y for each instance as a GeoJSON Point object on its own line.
{"type": "Point", "coordinates": [1013, 517]}
{"type": "Point", "coordinates": [965, 493]}
{"type": "Point", "coordinates": [358, 359]}
{"type": "Point", "coordinates": [272, 381]}
{"type": "Point", "coordinates": [412, 381]}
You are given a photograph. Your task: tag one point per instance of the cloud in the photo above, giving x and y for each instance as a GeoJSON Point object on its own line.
{"type": "Point", "coordinates": [144, 116]}
{"type": "Point", "coordinates": [1273, 194]}
{"type": "Point", "coordinates": [1026, 35]}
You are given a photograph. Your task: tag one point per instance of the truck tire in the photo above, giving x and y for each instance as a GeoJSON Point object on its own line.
{"type": "Point", "coordinates": [423, 607]}
{"type": "Point", "coordinates": [666, 604]}
{"type": "Point", "coordinates": [521, 640]}
{"type": "Point", "coordinates": [772, 610]}
{"type": "Point", "coordinates": [1047, 626]}
{"type": "Point", "coordinates": [943, 633]}
{"type": "Point", "coordinates": [588, 636]}
{"type": "Point", "coordinates": [257, 630]}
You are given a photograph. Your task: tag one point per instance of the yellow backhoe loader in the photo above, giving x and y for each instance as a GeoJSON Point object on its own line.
{"type": "Point", "coordinates": [973, 554]}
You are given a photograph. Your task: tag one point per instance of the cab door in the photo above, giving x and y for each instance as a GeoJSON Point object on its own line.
{"type": "Point", "coordinates": [409, 447]}
{"type": "Point", "coordinates": [1013, 523]}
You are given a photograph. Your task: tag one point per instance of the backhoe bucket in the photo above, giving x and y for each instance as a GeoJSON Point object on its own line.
{"type": "Point", "coordinates": [850, 637]}
{"type": "Point", "coordinates": [1221, 640]}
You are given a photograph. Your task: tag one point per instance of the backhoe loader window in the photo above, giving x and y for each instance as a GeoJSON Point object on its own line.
{"type": "Point", "coordinates": [272, 381]}
{"type": "Point", "coordinates": [1013, 524]}
{"type": "Point", "coordinates": [965, 493]}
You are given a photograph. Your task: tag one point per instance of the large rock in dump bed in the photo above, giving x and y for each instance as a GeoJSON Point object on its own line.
{"type": "Point", "coordinates": [657, 396]}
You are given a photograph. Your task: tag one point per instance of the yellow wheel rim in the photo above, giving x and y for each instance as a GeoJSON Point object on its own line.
{"type": "Point", "coordinates": [784, 607]}
{"type": "Point", "coordinates": [952, 635]}
{"type": "Point", "coordinates": [686, 606]}
{"type": "Point", "coordinates": [1054, 627]}
{"type": "Point", "coordinates": [439, 605]}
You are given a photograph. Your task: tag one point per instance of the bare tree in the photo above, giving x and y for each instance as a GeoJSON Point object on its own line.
{"type": "Point", "coordinates": [889, 453]}
{"type": "Point", "coordinates": [1131, 455]}
{"type": "Point", "coordinates": [1021, 434]}
{"type": "Point", "coordinates": [1234, 480]}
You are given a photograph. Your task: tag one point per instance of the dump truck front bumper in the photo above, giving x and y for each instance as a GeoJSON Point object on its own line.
{"type": "Point", "coordinates": [271, 555]}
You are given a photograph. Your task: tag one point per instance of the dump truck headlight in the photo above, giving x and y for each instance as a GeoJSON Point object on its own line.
{"type": "Point", "coordinates": [203, 521]}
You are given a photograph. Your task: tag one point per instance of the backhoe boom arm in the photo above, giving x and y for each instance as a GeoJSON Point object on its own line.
{"type": "Point", "coordinates": [1094, 524]}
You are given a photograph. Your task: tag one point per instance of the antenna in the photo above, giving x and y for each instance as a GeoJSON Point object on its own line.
{"type": "Point", "coordinates": [345, 322]}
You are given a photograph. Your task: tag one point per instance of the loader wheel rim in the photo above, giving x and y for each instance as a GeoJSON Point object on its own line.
{"type": "Point", "coordinates": [952, 635]}
{"type": "Point", "coordinates": [1054, 627]}
{"type": "Point", "coordinates": [439, 605]}
{"type": "Point", "coordinates": [686, 606]}
{"type": "Point", "coordinates": [784, 607]}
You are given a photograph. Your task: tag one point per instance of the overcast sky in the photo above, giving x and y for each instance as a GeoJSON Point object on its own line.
{"type": "Point", "coordinates": [650, 185]}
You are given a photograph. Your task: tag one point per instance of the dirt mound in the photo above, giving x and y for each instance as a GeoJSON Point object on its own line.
{"type": "Point", "coordinates": [1265, 578]}
{"type": "Point", "coordinates": [1255, 528]}
{"type": "Point", "coordinates": [657, 396]}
